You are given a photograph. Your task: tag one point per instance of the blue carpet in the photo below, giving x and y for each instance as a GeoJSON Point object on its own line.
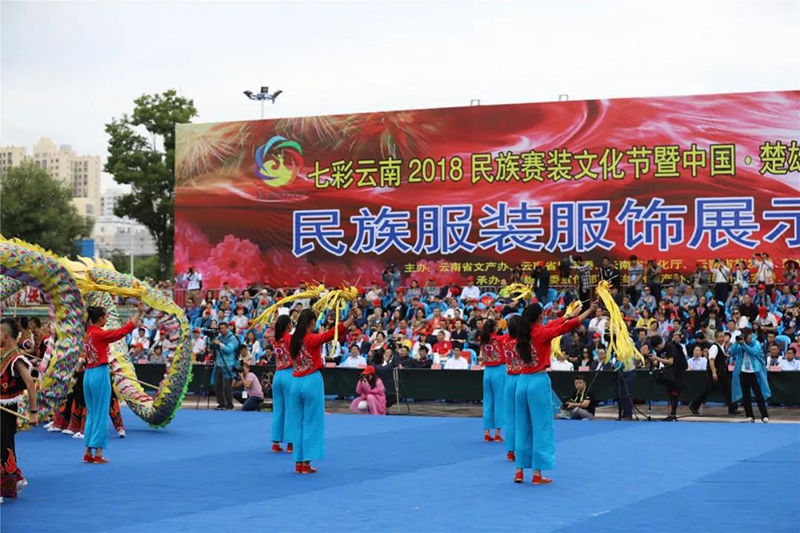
{"type": "Point", "coordinates": [211, 472]}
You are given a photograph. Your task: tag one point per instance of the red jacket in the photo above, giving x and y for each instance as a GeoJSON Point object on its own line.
{"type": "Point", "coordinates": [309, 360]}
{"type": "Point", "coordinates": [97, 341]}
{"type": "Point", "coordinates": [282, 357]}
{"type": "Point", "coordinates": [541, 337]}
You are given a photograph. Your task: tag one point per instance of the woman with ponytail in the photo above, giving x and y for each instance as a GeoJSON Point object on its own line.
{"type": "Point", "coordinates": [281, 385]}
{"type": "Point", "coordinates": [494, 377]}
{"type": "Point", "coordinates": [513, 367]}
{"type": "Point", "coordinates": [96, 380]}
{"type": "Point", "coordinates": [535, 444]}
{"type": "Point", "coordinates": [307, 399]}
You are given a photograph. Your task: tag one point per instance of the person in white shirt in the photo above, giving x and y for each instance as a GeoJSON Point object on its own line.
{"type": "Point", "coordinates": [562, 364]}
{"type": "Point", "coordinates": [452, 310]}
{"type": "Point", "coordinates": [598, 323]}
{"type": "Point", "coordinates": [354, 359]}
{"type": "Point", "coordinates": [240, 320]}
{"type": "Point", "coordinates": [198, 344]}
{"type": "Point", "coordinates": [789, 363]}
{"type": "Point", "coordinates": [764, 267]}
{"type": "Point", "coordinates": [416, 347]}
{"type": "Point", "coordinates": [167, 346]}
{"type": "Point", "coordinates": [470, 292]}
{"type": "Point", "coordinates": [698, 360]}
{"type": "Point", "coordinates": [226, 292]}
{"type": "Point", "coordinates": [140, 336]}
{"type": "Point", "coordinates": [194, 280]}
{"type": "Point", "coordinates": [456, 362]}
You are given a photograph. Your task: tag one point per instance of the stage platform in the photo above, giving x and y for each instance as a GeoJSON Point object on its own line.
{"type": "Point", "coordinates": [212, 472]}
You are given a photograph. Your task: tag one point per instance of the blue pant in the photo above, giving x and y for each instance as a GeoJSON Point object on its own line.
{"type": "Point", "coordinates": [307, 427]}
{"type": "Point", "coordinates": [510, 404]}
{"type": "Point", "coordinates": [97, 394]}
{"type": "Point", "coordinates": [535, 444]}
{"type": "Point", "coordinates": [281, 391]}
{"type": "Point", "coordinates": [494, 379]}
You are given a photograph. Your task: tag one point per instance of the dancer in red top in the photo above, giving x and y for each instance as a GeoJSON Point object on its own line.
{"type": "Point", "coordinates": [494, 379]}
{"type": "Point", "coordinates": [97, 382]}
{"type": "Point", "coordinates": [307, 404]}
{"type": "Point", "coordinates": [281, 385]}
{"type": "Point", "coordinates": [535, 445]}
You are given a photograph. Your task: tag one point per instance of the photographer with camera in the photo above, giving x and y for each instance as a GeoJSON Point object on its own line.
{"type": "Point", "coordinates": [253, 395]}
{"type": "Point", "coordinates": [670, 374]}
{"type": "Point", "coordinates": [749, 372]}
{"type": "Point", "coordinates": [224, 345]}
{"type": "Point", "coordinates": [371, 394]}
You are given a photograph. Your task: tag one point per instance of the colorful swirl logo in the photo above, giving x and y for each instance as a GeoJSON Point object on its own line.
{"type": "Point", "coordinates": [277, 161]}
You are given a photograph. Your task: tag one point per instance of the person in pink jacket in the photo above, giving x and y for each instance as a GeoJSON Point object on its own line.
{"type": "Point", "coordinates": [371, 394]}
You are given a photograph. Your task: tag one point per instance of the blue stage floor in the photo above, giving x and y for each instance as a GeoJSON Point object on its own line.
{"type": "Point", "coordinates": [211, 472]}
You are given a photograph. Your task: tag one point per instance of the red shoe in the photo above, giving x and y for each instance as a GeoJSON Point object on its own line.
{"type": "Point", "coordinates": [511, 457]}
{"type": "Point", "coordinates": [88, 458]}
{"type": "Point", "coordinates": [100, 460]}
{"type": "Point", "coordinates": [298, 468]}
{"type": "Point", "coordinates": [308, 469]}
{"type": "Point", "coordinates": [289, 448]}
{"type": "Point", "coordinates": [518, 477]}
{"type": "Point", "coordinates": [498, 438]}
{"type": "Point", "coordinates": [276, 447]}
{"type": "Point", "coordinates": [487, 438]}
{"type": "Point", "coordinates": [540, 480]}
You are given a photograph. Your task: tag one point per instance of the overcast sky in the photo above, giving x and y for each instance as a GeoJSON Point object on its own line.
{"type": "Point", "coordinates": [67, 68]}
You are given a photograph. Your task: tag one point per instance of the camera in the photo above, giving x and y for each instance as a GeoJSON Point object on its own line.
{"type": "Point", "coordinates": [211, 333]}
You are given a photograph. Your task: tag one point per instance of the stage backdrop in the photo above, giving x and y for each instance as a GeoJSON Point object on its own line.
{"type": "Point", "coordinates": [447, 193]}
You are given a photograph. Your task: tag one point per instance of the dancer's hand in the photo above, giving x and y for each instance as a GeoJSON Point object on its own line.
{"type": "Point", "coordinates": [33, 418]}
{"type": "Point", "coordinates": [575, 312]}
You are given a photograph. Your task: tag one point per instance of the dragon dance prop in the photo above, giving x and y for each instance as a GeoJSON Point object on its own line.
{"type": "Point", "coordinates": [34, 266]}
{"type": "Point", "coordinates": [620, 342]}
{"type": "Point", "coordinates": [61, 281]}
{"type": "Point", "coordinates": [99, 280]}
{"type": "Point", "coordinates": [9, 287]}
{"type": "Point", "coordinates": [312, 293]}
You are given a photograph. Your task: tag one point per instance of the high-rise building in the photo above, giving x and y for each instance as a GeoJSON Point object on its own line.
{"type": "Point", "coordinates": [109, 201]}
{"type": "Point", "coordinates": [80, 172]}
{"type": "Point", "coordinates": [114, 234]}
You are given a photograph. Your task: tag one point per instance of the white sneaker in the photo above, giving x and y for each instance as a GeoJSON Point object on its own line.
{"type": "Point", "coordinates": [750, 419]}
{"type": "Point", "coordinates": [1, 499]}
{"type": "Point", "coordinates": [53, 429]}
{"type": "Point", "coordinates": [765, 419]}
{"type": "Point", "coordinates": [48, 425]}
{"type": "Point", "coordinates": [77, 436]}
{"type": "Point", "coordinates": [21, 484]}
{"type": "Point", "coordinates": [121, 433]}
{"type": "Point", "coordinates": [68, 432]}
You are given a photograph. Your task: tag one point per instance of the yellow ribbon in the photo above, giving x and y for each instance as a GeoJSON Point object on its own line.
{"type": "Point", "coordinates": [555, 344]}
{"type": "Point", "coordinates": [266, 316]}
{"type": "Point", "coordinates": [336, 300]}
{"type": "Point", "coordinates": [522, 291]}
{"type": "Point", "coordinates": [620, 342]}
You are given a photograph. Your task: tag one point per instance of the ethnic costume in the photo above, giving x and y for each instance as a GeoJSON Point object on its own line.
{"type": "Point", "coordinates": [12, 389]}
{"type": "Point", "coordinates": [513, 369]}
{"type": "Point", "coordinates": [494, 378]}
{"type": "Point", "coordinates": [281, 393]}
{"type": "Point", "coordinates": [535, 445]}
{"type": "Point", "coordinates": [307, 398]}
{"type": "Point", "coordinates": [97, 382]}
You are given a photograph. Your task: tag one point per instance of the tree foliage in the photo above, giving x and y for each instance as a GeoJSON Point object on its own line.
{"type": "Point", "coordinates": [37, 208]}
{"type": "Point", "coordinates": [147, 163]}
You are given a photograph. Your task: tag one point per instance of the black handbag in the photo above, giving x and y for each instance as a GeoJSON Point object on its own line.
{"type": "Point", "coordinates": [665, 375]}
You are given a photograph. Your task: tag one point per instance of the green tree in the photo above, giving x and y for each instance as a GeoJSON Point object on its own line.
{"type": "Point", "coordinates": [147, 163]}
{"type": "Point", "coordinates": [38, 209]}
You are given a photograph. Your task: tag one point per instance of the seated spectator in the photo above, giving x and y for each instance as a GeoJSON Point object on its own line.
{"type": "Point", "coordinates": [562, 363]}
{"type": "Point", "coordinates": [157, 356]}
{"type": "Point", "coordinates": [240, 320]}
{"type": "Point", "coordinates": [748, 309]}
{"type": "Point", "coordinates": [585, 360]}
{"type": "Point", "coordinates": [581, 406]}
{"type": "Point", "coordinates": [442, 350]}
{"type": "Point", "coordinates": [267, 356]}
{"type": "Point", "coordinates": [137, 354]}
{"type": "Point", "coordinates": [766, 321]}
{"type": "Point", "coordinates": [599, 323]}
{"type": "Point", "coordinates": [388, 359]}
{"type": "Point", "coordinates": [471, 293]}
{"type": "Point", "coordinates": [786, 299]}
{"type": "Point", "coordinates": [698, 361]}
{"type": "Point", "coordinates": [457, 362]}
{"type": "Point", "coordinates": [253, 346]}
{"type": "Point", "coordinates": [627, 309]}
{"type": "Point", "coordinates": [354, 358]}
{"type": "Point", "coordinates": [687, 300]}
{"type": "Point", "coordinates": [253, 395]}
{"type": "Point", "coordinates": [371, 394]}
{"type": "Point", "coordinates": [789, 362]}
{"type": "Point", "coordinates": [226, 293]}
{"type": "Point", "coordinates": [198, 345]}
{"type": "Point", "coordinates": [421, 360]}
{"type": "Point", "coordinates": [167, 346]}
{"type": "Point", "coordinates": [647, 300]}
{"type": "Point", "coordinates": [599, 363]}
{"type": "Point", "coordinates": [645, 319]}
{"type": "Point", "coordinates": [774, 356]}
{"type": "Point", "coordinates": [405, 359]}
{"type": "Point", "coordinates": [140, 336]}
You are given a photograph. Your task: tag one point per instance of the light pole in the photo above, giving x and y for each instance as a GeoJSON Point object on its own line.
{"type": "Point", "coordinates": [130, 230]}
{"type": "Point", "coordinates": [262, 97]}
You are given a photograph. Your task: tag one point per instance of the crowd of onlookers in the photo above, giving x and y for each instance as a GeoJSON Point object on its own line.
{"type": "Point", "coordinates": [430, 326]}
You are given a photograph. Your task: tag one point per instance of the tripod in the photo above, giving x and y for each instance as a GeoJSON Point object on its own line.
{"type": "Point", "coordinates": [396, 379]}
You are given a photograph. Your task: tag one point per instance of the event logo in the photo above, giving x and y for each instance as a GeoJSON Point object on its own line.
{"type": "Point", "coordinates": [278, 161]}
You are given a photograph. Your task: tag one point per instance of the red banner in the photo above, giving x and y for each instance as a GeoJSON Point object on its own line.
{"type": "Point", "coordinates": [446, 193]}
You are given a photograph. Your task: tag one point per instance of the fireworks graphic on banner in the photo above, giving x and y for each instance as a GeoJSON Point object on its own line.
{"type": "Point", "coordinates": [204, 148]}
